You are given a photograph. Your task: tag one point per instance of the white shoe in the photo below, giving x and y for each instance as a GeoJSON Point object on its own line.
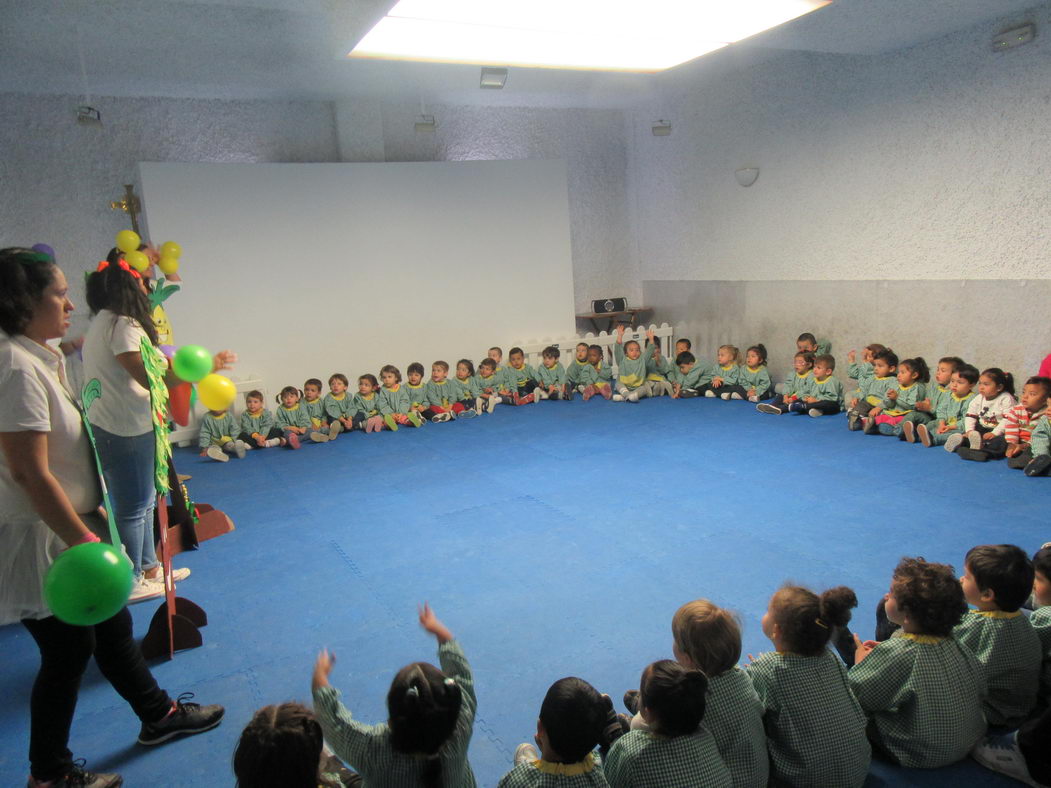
{"type": "Point", "coordinates": [633, 396]}
{"type": "Point", "coordinates": [178, 575]}
{"type": "Point", "coordinates": [319, 437]}
{"type": "Point", "coordinates": [217, 454]}
{"type": "Point", "coordinates": [725, 395]}
{"type": "Point", "coordinates": [954, 441]}
{"type": "Point", "coordinates": [1001, 754]}
{"type": "Point", "coordinates": [815, 413]}
{"type": "Point", "coordinates": [618, 398]}
{"type": "Point", "coordinates": [240, 447]}
{"type": "Point", "coordinates": [143, 589]}
{"type": "Point", "coordinates": [710, 394]}
{"type": "Point", "coordinates": [493, 402]}
{"type": "Point", "coordinates": [752, 398]}
{"type": "Point", "coordinates": [526, 753]}
{"type": "Point", "coordinates": [735, 395]}
{"type": "Point", "coordinates": [541, 394]}
{"type": "Point", "coordinates": [974, 438]}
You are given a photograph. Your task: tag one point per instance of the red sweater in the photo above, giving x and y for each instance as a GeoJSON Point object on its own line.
{"type": "Point", "coordinates": [1017, 424]}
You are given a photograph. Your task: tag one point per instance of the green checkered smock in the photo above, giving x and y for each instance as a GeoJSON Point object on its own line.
{"type": "Point", "coordinates": [734, 715]}
{"type": "Point", "coordinates": [1008, 648]}
{"type": "Point", "coordinates": [544, 774]}
{"type": "Point", "coordinates": [1041, 621]}
{"type": "Point", "coordinates": [367, 748]}
{"type": "Point", "coordinates": [924, 697]}
{"type": "Point", "coordinates": [814, 726]}
{"type": "Point", "coordinates": [642, 759]}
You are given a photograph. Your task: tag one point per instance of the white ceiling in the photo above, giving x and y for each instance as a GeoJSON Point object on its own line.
{"type": "Point", "coordinates": [294, 49]}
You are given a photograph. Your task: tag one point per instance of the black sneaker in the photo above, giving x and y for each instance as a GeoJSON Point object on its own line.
{"type": "Point", "coordinates": [187, 719]}
{"type": "Point", "coordinates": [1039, 465]}
{"type": "Point", "coordinates": [631, 701]}
{"type": "Point", "coordinates": [79, 777]}
{"type": "Point", "coordinates": [976, 455]}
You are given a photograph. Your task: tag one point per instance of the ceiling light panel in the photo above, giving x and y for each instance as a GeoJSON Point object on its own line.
{"type": "Point", "coordinates": [579, 34]}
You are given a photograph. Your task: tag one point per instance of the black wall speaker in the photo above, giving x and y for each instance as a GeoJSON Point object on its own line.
{"type": "Point", "coordinates": [605, 305]}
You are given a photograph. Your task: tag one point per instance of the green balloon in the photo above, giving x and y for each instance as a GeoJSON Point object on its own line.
{"type": "Point", "coordinates": [192, 363]}
{"type": "Point", "coordinates": [88, 584]}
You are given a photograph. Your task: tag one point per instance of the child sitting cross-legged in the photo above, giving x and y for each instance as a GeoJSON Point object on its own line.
{"type": "Point", "coordinates": [429, 723]}
{"type": "Point", "coordinates": [996, 390]}
{"type": "Point", "coordinates": [551, 376]}
{"type": "Point", "coordinates": [416, 391]}
{"type": "Point", "coordinates": [522, 377]}
{"type": "Point", "coordinates": [753, 381]}
{"type": "Point", "coordinates": [727, 373]}
{"type": "Point", "coordinates": [948, 419]}
{"type": "Point", "coordinates": [938, 390]}
{"type": "Point", "coordinates": [823, 393]}
{"type": "Point", "coordinates": [794, 387]}
{"type": "Point", "coordinates": [706, 637]}
{"type": "Point", "coordinates": [466, 390]}
{"type": "Point", "coordinates": [258, 429]}
{"type": "Point", "coordinates": [676, 749]}
{"type": "Point", "coordinates": [631, 370]}
{"type": "Point", "coordinates": [997, 580]}
{"type": "Point", "coordinates": [873, 389]}
{"type": "Point", "coordinates": [314, 406]}
{"type": "Point", "coordinates": [217, 438]}
{"type": "Point", "coordinates": [921, 688]}
{"type": "Point", "coordinates": [815, 729]}
{"type": "Point", "coordinates": [489, 384]}
{"type": "Point", "coordinates": [1011, 436]}
{"type": "Point", "coordinates": [574, 720]}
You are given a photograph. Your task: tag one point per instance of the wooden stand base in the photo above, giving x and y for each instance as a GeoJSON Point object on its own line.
{"type": "Point", "coordinates": [170, 632]}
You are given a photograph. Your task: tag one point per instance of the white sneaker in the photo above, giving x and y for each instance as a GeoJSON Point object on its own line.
{"type": "Point", "coordinates": [710, 394]}
{"type": "Point", "coordinates": [815, 413]}
{"type": "Point", "coordinates": [618, 398]}
{"type": "Point", "coordinates": [526, 753]}
{"type": "Point", "coordinates": [240, 447]}
{"type": "Point", "coordinates": [1001, 754]}
{"type": "Point", "coordinates": [735, 395]}
{"type": "Point", "coordinates": [974, 438]}
{"type": "Point", "coordinates": [143, 589]}
{"type": "Point", "coordinates": [633, 396]}
{"type": "Point", "coordinates": [954, 441]}
{"type": "Point", "coordinates": [725, 395]}
{"type": "Point", "coordinates": [318, 437]}
{"type": "Point", "coordinates": [493, 402]}
{"type": "Point", "coordinates": [178, 575]}
{"type": "Point", "coordinates": [541, 394]}
{"type": "Point", "coordinates": [217, 454]}
{"type": "Point", "coordinates": [752, 398]}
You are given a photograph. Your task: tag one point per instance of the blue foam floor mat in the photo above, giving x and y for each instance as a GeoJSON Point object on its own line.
{"type": "Point", "coordinates": [553, 540]}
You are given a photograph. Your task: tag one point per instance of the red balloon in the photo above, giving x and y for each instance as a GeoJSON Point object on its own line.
{"type": "Point", "coordinates": [179, 403]}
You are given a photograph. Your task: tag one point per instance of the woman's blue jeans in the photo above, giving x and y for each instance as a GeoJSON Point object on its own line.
{"type": "Point", "coordinates": [127, 466]}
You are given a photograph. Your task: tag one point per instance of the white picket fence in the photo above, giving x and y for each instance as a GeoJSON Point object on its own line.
{"type": "Point", "coordinates": [604, 339]}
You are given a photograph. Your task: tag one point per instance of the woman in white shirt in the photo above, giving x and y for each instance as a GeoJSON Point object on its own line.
{"type": "Point", "coordinates": [49, 499]}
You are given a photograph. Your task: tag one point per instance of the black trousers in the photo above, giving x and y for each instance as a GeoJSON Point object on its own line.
{"type": "Point", "coordinates": [826, 406]}
{"type": "Point", "coordinates": [1034, 740]}
{"type": "Point", "coordinates": [64, 654]}
{"type": "Point", "coordinates": [275, 432]}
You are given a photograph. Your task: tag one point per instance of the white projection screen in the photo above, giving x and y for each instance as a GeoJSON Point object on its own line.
{"type": "Point", "coordinates": [309, 269]}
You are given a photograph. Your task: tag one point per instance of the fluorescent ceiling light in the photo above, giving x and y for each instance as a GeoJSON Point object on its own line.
{"type": "Point", "coordinates": [583, 34]}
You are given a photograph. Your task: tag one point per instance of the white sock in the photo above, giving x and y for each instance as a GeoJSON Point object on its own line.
{"type": "Point", "coordinates": [273, 442]}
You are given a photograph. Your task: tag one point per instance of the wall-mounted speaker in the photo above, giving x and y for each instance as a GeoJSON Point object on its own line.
{"type": "Point", "coordinates": [603, 306]}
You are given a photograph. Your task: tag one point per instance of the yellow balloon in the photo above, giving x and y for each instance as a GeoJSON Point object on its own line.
{"type": "Point", "coordinates": [127, 241]}
{"type": "Point", "coordinates": [168, 265]}
{"type": "Point", "coordinates": [216, 392]}
{"type": "Point", "coordinates": [171, 249]}
{"type": "Point", "coordinates": [137, 260]}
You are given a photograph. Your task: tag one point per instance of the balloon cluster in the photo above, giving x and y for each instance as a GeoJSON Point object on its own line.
{"type": "Point", "coordinates": [193, 364]}
{"type": "Point", "coordinates": [129, 242]}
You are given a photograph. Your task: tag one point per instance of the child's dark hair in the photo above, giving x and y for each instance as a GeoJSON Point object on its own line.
{"type": "Point", "coordinates": [596, 348]}
{"type": "Point", "coordinates": [631, 342]}
{"type": "Point", "coordinates": [1005, 380]}
{"type": "Point", "coordinates": [953, 361]}
{"type": "Point", "coordinates": [573, 715]}
{"type": "Point", "coordinates": [582, 344]}
{"type": "Point", "coordinates": [807, 356]}
{"type": "Point", "coordinates": [551, 351]}
{"type": "Point", "coordinates": [340, 377]}
{"type": "Point", "coordinates": [1003, 569]}
{"type": "Point", "coordinates": [254, 394]}
{"type": "Point", "coordinates": [930, 594]}
{"type": "Point", "coordinates": [1042, 562]}
{"type": "Point", "coordinates": [919, 366]}
{"type": "Point", "coordinates": [886, 355]}
{"type": "Point", "coordinates": [806, 619]}
{"type": "Point", "coordinates": [288, 390]}
{"type": "Point", "coordinates": [416, 367]}
{"type": "Point", "coordinates": [498, 350]}
{"type": "Point", "coordinates": [709, 635]}
{"type": "Point", "coordinates": [685, 341]}
{"type": "Point", "coordinates": [467, 363]}
{"type": "Point", "coordinates": [675, 695]}
{"type": "Point", "coordinates": [968, 373]}
{"type": "Point", "coordinates": [392, 370]}
{"type": "Point", "coordinates": [279, 748]}
{"type": "Point", "coordinates": [686, 357]}
{"type": "Point", "coordinates": [423, 705]}
{"type": "Point", "coordinates": [1044, 383]}
{"type": "Point", "coordinates": [825, 360]}
{"type": "Point", "coordinates": [734, 352]}
{"type": "Point", "coordinates": [875, 348]}
{"type": "Point", "coordinates": [315, 382]}
{"type": "Point", "coordinates": [24, 276]}
{"type": "Point", "coordinates": [515, 351]}
{"type": "Point", "coordinates": [371, 379]}
{"type": "Point", "coordinates": [444, 365]}
{"type": "Point", "coordinates": [806, 336]}
{"type": "Point", "coordinates": [119, 289]}
{"type": "Point", "coordinates": [759, 350]}
{"type": "Point", "coordinates": [488, 363]}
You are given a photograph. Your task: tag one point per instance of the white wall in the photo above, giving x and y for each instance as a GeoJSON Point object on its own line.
{"type": "Point", "coordinates": [310, 269]}
{"type": "Point", "coordinates": [884, 180]}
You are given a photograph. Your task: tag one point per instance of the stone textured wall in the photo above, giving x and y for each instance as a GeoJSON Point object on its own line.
{"type": "Point", "coordinates": [58, 177]}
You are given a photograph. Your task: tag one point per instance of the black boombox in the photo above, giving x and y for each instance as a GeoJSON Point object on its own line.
{"type": "Point", "coordinates": [605, 305]}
